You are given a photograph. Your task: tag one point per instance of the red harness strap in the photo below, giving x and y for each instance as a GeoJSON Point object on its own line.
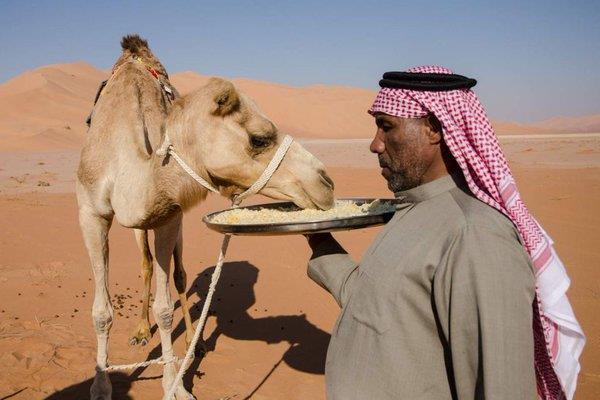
{"type": "Point", "coordinates": [154, 72]}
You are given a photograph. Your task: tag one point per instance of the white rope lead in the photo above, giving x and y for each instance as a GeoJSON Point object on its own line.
{"type": "Point", "coordinates": [143, 364]}
{"type": "Point", "coordinates": [254, 188]}
{"type": "Point", "coordinates": [189, 355]}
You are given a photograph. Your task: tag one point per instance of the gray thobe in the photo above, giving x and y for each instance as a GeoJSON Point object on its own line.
{"type": "Point", "coordinates": [440, 307]}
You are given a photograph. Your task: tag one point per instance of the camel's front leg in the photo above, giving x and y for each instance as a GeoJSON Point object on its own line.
{"type": "Point", "coordinates": [95, 235]}
{"type": "Point", "coordinates": [142, 334]}
{"type": "Point", "coordinates": [165, 239]}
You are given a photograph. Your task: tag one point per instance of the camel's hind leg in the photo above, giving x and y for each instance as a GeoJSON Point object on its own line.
{"type": "Point", "coordinates": [165, 239]}
{"type": "Point", "coordinates": [142, 334]}
{"type": "Point", "coordinates": [95, 235]}
{"type": "Point", "coordinates": [180, 279]}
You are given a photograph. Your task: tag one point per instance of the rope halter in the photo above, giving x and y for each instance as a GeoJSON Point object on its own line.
{"type": "Point", "coordinates": [167, 148]}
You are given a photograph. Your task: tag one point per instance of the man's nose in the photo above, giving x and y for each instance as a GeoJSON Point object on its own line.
{"type": "Point", "coordinates": [377, 146]}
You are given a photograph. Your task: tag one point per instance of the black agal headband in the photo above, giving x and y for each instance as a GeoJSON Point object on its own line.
{"type": "Point", "coordinates": [429, 82]}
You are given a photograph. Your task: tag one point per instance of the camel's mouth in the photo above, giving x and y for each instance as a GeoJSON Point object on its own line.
{"type": "Point", "coordinates": [322, 203]}
{"type": "Point", "coordinates": [308, 203]}
{"type": "Point", "coordinates": [301, 197]}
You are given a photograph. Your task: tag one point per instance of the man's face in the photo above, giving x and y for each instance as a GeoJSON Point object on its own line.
{"type": "Point", "coordinates": [404, 150]}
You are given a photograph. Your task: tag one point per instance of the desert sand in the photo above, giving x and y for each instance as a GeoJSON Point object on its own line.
{"type": "Point", "coordinates": [270, 324]}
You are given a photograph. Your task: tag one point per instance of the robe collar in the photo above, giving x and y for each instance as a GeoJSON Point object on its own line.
{"type": "Point", "coordinates": [431, 189]}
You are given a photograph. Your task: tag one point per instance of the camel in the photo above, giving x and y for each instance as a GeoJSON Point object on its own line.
{"type": "Point", "coordinates": [135, 48]}
{"type": "Point", "coordinates": [221, 134]}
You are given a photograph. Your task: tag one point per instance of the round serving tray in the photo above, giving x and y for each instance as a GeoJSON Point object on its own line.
{"type": "Point", "coordinates": [290, 228]}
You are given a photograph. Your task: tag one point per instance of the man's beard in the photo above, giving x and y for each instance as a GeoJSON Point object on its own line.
{"type": "Point", "coordinates": [399, 182]}
{"type": "Point", "coordinates": [405, 178]}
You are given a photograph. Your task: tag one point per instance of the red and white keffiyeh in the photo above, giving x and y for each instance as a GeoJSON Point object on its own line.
{"type": "Point", "coordinates": [467, 132]}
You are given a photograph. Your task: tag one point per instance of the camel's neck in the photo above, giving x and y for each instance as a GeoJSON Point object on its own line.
{"type": "Point", "coordinates": [173, 185]}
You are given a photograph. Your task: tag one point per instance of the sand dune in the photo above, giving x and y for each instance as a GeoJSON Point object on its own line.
{"type": "Point", "coordinates": [45, 108]}
{"type": "Point", "coordinates": [513, 128]}
{"type": "Point", "coordinates": [316, 111]}
{"type": "Point", "coordinates": [581, 124]}
{"type": "Point", "coordinates": [586, 123]}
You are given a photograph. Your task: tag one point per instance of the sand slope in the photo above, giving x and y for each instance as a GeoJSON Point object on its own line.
{"type": "Point", "coordinates": [586, 123]}
{"type": "Point", "coordinates": [313, 111]}
{"type": "Point", "coordinates": [45, 108]}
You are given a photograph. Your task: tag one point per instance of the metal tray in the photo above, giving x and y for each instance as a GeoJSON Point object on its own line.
{"type": "Point", "coordinates": [292, 228]}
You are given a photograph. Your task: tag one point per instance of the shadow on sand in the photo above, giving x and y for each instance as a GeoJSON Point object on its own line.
{"type": "Point", "coordinates": [121, 383]}
{"type": "Point", "coordinates": [233, 298]}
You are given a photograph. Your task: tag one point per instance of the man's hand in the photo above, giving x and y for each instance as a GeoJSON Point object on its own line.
{"type": "Point", "coordinates": [323, 244]}
{"type": "Point", "coordinates": [315, 239]}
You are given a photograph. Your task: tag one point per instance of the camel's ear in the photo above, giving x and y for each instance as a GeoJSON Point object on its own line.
{"type": "Point", "coordinates": [225, 98]}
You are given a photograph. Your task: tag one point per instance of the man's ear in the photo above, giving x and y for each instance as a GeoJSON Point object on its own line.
{"type": "Point", "coordinates": [225, 98]}
{"type": "Point", "coordinates": [434, 129]}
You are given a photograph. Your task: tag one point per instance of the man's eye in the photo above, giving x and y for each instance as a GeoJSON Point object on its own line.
{"type": "Point", "coordinates": [385, 127]}
{"type": "Point", "coordinates": [259, 142]}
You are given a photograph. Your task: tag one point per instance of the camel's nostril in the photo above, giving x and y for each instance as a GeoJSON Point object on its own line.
{"type": "Point", "coordinates": [326, 179]}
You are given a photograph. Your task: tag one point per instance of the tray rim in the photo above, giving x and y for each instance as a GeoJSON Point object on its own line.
{"type": "Point", "coordinates": [283, 228]}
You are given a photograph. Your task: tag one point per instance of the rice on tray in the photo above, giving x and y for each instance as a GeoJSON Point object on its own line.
{"type": "Point", "coordinates": [341, 209]}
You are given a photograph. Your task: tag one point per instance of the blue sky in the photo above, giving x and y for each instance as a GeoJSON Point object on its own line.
{"type": "Point", "coordinates": [533, 59]}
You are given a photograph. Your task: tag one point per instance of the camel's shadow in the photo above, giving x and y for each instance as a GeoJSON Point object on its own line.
{"type": "Point", "coordinates": [121, 384]}
{"type": "Point", "coordinates": [233, 298]}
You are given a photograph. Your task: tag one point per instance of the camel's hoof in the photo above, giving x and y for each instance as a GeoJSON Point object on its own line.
{"type": "Point", "coordinates": [141, 337]}
{"type": "Point", "coordinates": [101, 388]}
{"type": "Point", "coordinates": [134, 341]}
{"type": "Point", "coordinates": [182, 394]}
{"type": "Point", "coordinates": [169, 372]}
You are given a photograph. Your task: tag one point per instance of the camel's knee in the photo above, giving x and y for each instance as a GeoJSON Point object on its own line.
{"type": "Point", "coordinates": [103, 319]}
{"type": "Point", "coordinates": [163, 314]}
{"type": "Point", "coordinates": [102, 315]}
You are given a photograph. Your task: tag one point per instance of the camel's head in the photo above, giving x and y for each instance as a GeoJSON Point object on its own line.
{"type": "Point", "coordinates": [234, 141]}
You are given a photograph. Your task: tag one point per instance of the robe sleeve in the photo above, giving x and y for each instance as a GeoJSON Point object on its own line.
{"type": "Point", "coordinates": [483, 294]}
{"type": "Point", "coordinates": [333, 269]}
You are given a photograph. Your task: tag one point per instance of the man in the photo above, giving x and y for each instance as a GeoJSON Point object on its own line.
{"type": "Point", "coordinates": [443, 302]}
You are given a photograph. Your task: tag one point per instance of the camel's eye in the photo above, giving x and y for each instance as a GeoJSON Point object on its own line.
{"type": "Point", "coordinates": [259, 142]}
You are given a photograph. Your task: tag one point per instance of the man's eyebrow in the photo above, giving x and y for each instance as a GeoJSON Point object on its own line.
{"type": "Point", "coordinates": [380, 120]}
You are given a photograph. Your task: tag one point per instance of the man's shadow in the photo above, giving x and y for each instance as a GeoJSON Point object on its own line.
{"type": "Point", "coordinates": [233, 298]}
